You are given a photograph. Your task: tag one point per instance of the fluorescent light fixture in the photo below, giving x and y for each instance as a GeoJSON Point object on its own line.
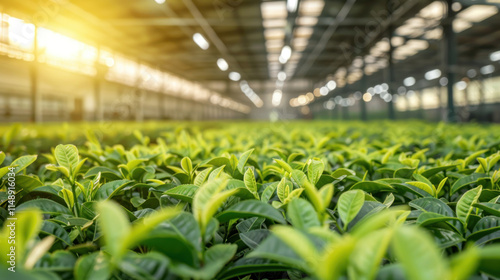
{"type": "Point", "coordinates": [274, 23]}
{"type": "Point", "coordinates": [273, 9]}
{"type": "Point", "coordinates": [435, 11]}
{"type": "Point", "coordinates": [281, 76]}
{"type": "Point", "coordinates": [495, 56]}
{"type": "Point", "coordinates": [460, 25]}
{"type": "Point", "coordinates": [323, 91]}
{"type": "Point", "coordinates": [299, 42]}
{"type": "Point", "coordinates": [276, 100]}
{"type": "Point", "coordinates": [416, 22]}
{"type": "Point", "coordinates": [410, 81]}
{"type": "Point", "coordinates": [435, 34]}
{"type": "Point", "coordinates": [383, 45]}
{"type": "Point", "coordinates": [388, 98]}
{"type": "Point", "coordinates": [329, 105]}
{"type": "Point", "coordinates": [417, 44]}
{"type": "Point", "coordinates": [397, 41]}
{"type": "Point", "coordinates": [433, 74]}
{"type": "Point", "coordinates": [478, 13]}
{"type": "Point", "coordinates": [310, 96]}
{"type": "Point", "coordinates": [286, 53]}
{"type": "Point", "coordinates": [234, 76]}
{"type": "Point", "coordinates": [275, 33]}
{"type": "Point", "coordinates": [443, 81]}
{"type": "Point", "coordinates": [488, 69]}
{"type": "Point", "coordinates": [273, 44]}
{"type": "Point", "coordinates": [471, 73]}
{"type": "Point", "coordinates": [331, 85]}
{"type": "Point", "coordinates": [311, 7]}
{"type": "Point", "coordinates": [160, 1]}
{"type": "Point", "coordinates": [461, 85]}
{"type": "Point", "coordinates": [291, 5]}
{"type": "Point", "coordinates": [272, 57]}
{"type": "Point", "coordinates": [303, 32]}
{"type": "Point", "coordinates": [223, 66]}
{"type": "Point", "coordinates": [306, 21]}
{"type": "Point", "coordinates": [302, 100]}
{"type": "Point", "coordinates": [200, 41]}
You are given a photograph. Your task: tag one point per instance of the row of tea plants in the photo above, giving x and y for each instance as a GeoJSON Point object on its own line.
{"type": "Point", "coordinates": [252, 201]}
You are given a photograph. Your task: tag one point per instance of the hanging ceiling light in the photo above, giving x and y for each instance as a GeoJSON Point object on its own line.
{"type": "Point", "coordinates": [286, 53]}
{"type": "Point", "coordinates": [200, 41]}
{"type": "Point", "coordinates": [281, 76]}
{"type": "Point", "coordinates": [291, 5]}
{"type": "Point", "coordinates": [234, 76]}
{"type": "Point", "coordinates": [433, 74]}
{"type": "Point", "coordinates": [410, 81]}
{"type": "Point", "coordinates": [222, 63]}
{"type": "Point", "coordinates": [276, 100]}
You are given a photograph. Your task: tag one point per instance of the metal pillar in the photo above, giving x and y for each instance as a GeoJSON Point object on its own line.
{"type": "Point", "coordinates": [390, 104]}
{"type": "Point", "coordinates": [36, 98]}
{"type": "Point", "coordinates": [420, 112]}
{"type": "Point", "coordinates": [362, 103]}
{"type": "Point", "coordinates": [450, 58]}
{"type": "Point", "coordinates": [345, 113]}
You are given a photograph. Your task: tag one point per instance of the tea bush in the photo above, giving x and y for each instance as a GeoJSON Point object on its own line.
{"type": "Point", "coordinates": [320, 200]}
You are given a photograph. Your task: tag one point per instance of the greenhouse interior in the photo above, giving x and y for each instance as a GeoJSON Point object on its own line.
{"type": "Point", "coordinates": [250, 139]}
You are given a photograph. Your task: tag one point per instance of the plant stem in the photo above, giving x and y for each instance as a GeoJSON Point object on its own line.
{"type": "Point", "coordinates": [75, 198]}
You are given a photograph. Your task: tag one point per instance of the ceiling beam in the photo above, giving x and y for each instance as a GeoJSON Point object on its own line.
{"type": "Point", "coordinates": [212, 36]}
{"type": "Point", "coordinates": [245, 22]}
{"type": "Point", "coordinates": [311, 58]}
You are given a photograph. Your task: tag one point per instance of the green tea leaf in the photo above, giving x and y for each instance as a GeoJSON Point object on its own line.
{"type": "Point", "coordinates": [94, 266]}
{"type": "Point", "coordinates": [315, 170]}
{"type": "Point", "coordinates": [251, 208]}
{"type": "Point", "coordinates": [22, 162]}
{"type": "Point", "coordinates": [349, 205]}
{"type": "Point", "coordinates": [67, 156]}
{"type": "Point", "coordinates": [464, 204]}
{"type": "Point", "coordinates": [243, 160]}
{"type": "Point", "coordinates": [250, 182]}
{"type": "Point", "coordinates": [415, 250]}
{"type": "Point", "coordinates": [302, 214]}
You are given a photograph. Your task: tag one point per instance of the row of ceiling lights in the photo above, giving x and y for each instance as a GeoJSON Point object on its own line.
{"type": "Point", "coordinates": [413, 46]}
{"type": "Point", "coordinates": [274, 15]}
{"type": "Point", "coordinates": [383, 89]}
{"type": "Point", "coordinates": [203, 43]}
{"type": "Point", "coordinates": [427, 17]}
{"type": "Point", "coordinates": [425, 25]}
{"type": "Point", "coordinates": [310, 96]}
{"type": "Point", "coordinates": [233, 76]}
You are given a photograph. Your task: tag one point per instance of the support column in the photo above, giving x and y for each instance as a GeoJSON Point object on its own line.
{"type": "Point", "coordinates": [450, 59]}
{"type": "Point", "coordinates": [345, 113]}
{"type": "Point", "coordinates": [420, 112]}
{"type": "Point", "coordinates": [442, 113]}
{"type": "Point", "coordinates": [362, 103]}
{"type": "Point", "coordinates": [36, 98]}
{"type": "Point", "coordinates": [390, 104]}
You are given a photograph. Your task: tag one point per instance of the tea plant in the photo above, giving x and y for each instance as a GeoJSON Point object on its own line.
{"type": "Point", "coordinates": [216, 201]}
